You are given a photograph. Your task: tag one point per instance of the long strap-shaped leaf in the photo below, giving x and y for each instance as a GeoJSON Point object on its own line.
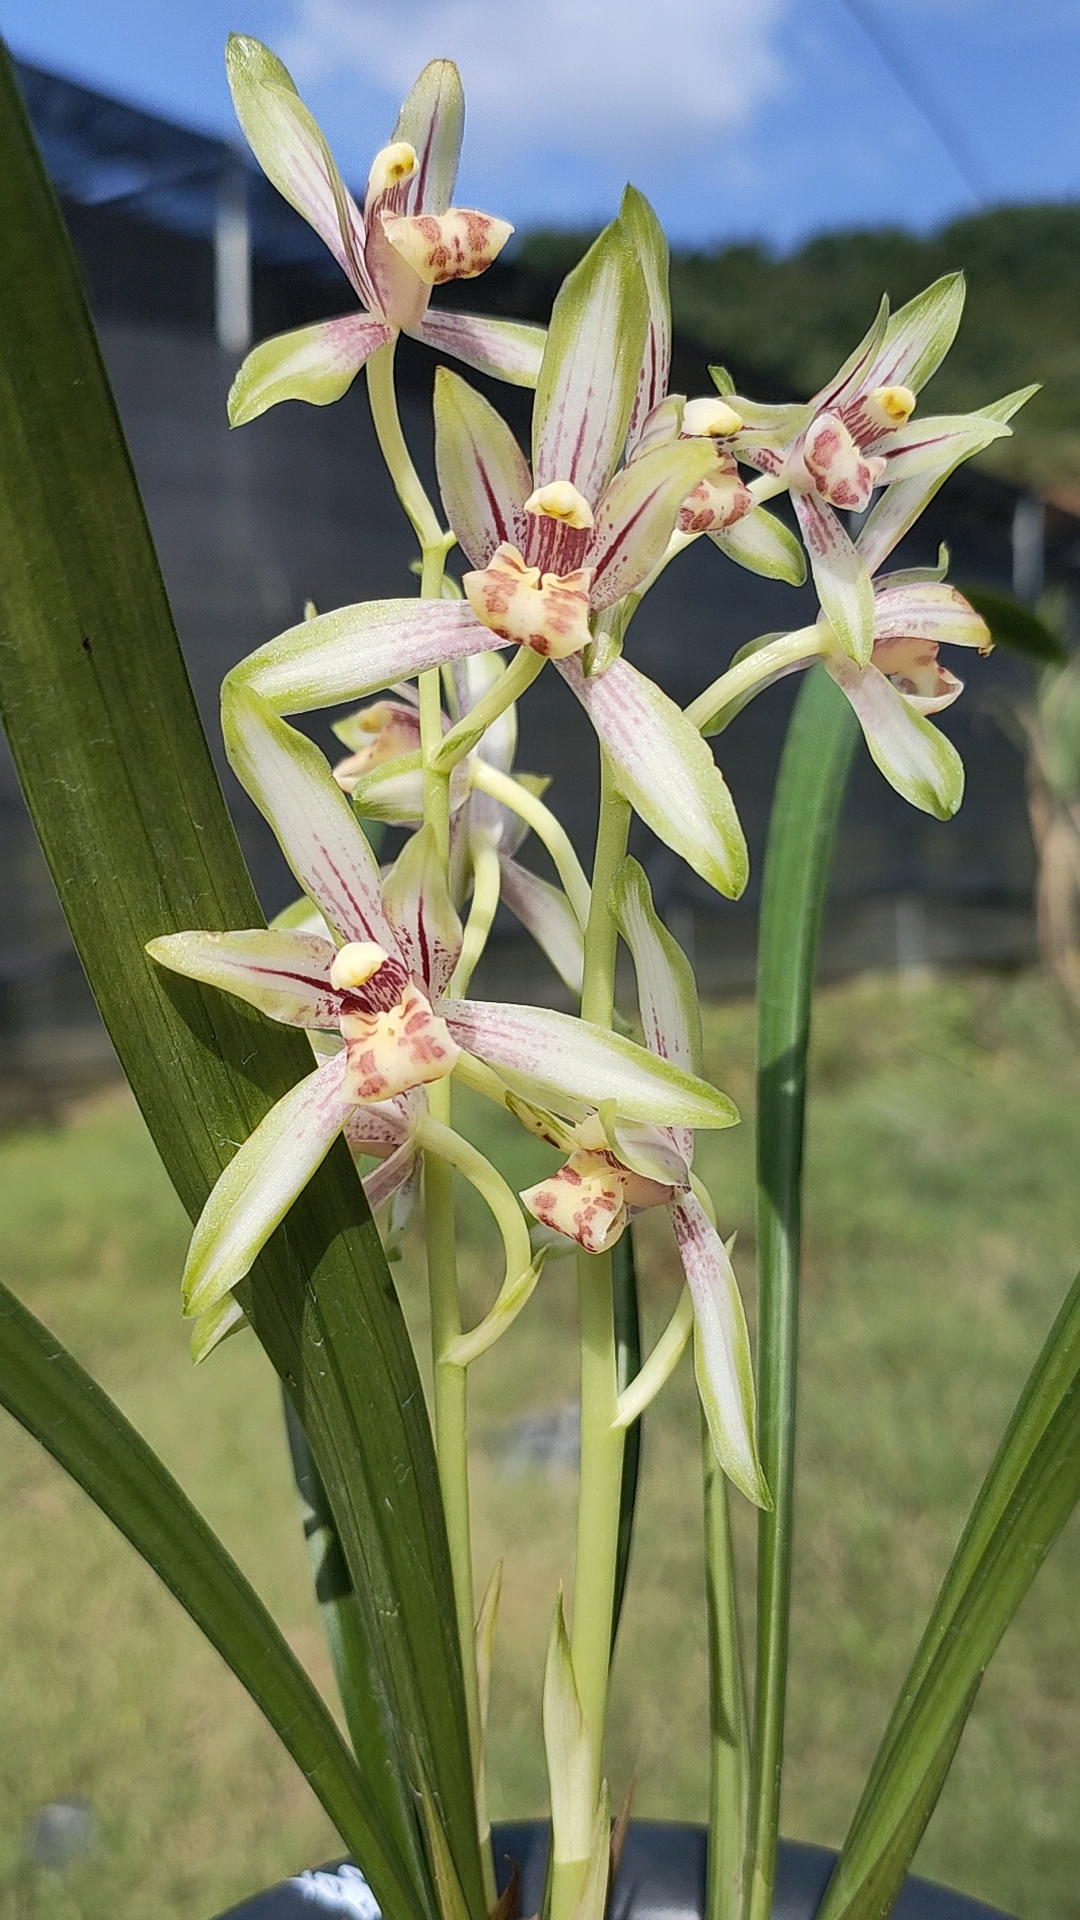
{"type": "Point", "coordinates": [47, 1390]}
{"type": "Point", "coordinates": [1028, 1494]}
{"type": "Point", "coordinates": [806, 807]}
{"type": "Point", "coordinates": [118, 777]}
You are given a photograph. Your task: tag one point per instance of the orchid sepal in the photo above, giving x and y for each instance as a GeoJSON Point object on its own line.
{"type": "Point", "coordinates": [665, 770]}
{"type": "Point", "coordinates": [592, 361]}
{"type": "Point", "coordinates": [915, 757]}
{"type": "Point", "coordinates": [722, 1362]}
{"type": "Point", "coordinates": [291, 784]}
{"type": "Point", "coordinates": [286, 975]}
{"type": "Point", "coordinates": [260, 1183]}
{"type": "Point", "coordinates": [762, 544]}
{"type": "Point", "coordinates": [567, 1063]}
{"type": "Point", "coordinates": [317, 364]}
{"type": "Point", "coordinates": [357, 650]}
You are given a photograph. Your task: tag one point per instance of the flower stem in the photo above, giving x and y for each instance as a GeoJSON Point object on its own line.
{"type": "Point", "coordinates": [660, 1365]}
{"type": "Point", "coordinates": [450, 1383]}
{"type": "Point", "coordinates": [551, 832]}
{"type": "Point", "coordinates": [487, 882]}
{"type": "Point", "coordinates": [602, 1442]}
{"type": "Point", "coordinates": [729, 1740]}
{"type": "Point", "coordinates": [387, 423]}
{"type": "Point", "coordinates": [509, 687]}
{"type": "Point", "coordinates": [747, 676]}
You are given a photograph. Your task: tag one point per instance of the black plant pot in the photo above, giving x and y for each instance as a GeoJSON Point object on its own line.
{"type": "Point", "coordinates": [661, 1877]}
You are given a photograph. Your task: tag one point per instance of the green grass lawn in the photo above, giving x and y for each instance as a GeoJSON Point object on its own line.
{"type": "Point", "coordinates": [943, 1228]}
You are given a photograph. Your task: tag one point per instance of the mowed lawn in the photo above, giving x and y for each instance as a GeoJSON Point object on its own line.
{"type": "Point", "coordinates": [943, 1229]}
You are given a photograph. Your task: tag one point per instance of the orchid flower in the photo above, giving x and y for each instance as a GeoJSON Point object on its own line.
{"type": "Point", "coordinates": [549, 549]}
{"type": "Point", "coordinates": [856, 434]}
{"type": "Point", "coordinates": [902, 684]}
{"type": "Point", "coordinates": [617, 1168]}
{"type": "Point", "coordinates": [381, 991]}
{"type": "Point", "coordinates": [893, 695]}
{"type": "Point", "coordinates": [407, 239]}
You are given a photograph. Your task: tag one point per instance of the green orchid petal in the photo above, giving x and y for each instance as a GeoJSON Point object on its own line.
{"type": "Point", "coordinates": [665, 770]}
{"type": "Point", "coordinates": [292, 152]}
{"type": "Point", "coordinates": [293, 788]}
{"type": "Point", "coordinates": [667, 990]}
{"type": "Point", "coordinates": [840, 576]}
{"type": "Point", "coordinates": [722, 1362]}
{"type": "Point", "coordinates": [417, 904]}
{"type": "Point", "coordinates": [554, 1058]}
{"type": "Point", "coordinates": [646, 236]}
{"type": "Point", "coordinates": [919, 336]}
{"type": "Point", "coordinates": [900, 505]}
{"type": "Point", "coordinates": [483, 475]}
{"type": "Point", "coordinates": [358, 650]}
{"type": "Point", "coordinates": [761, 543]}
{"type": "Point", "coordinates": [591, 366]}
{"type": "Point", "coordinates": [546, 913]}
{"type": "Point", "coordinates": [285, 974]}
{"type": "Point", "coordinates": [916, 759]}
{"type": "Point", "coordinates": [317, 364]}
{"type": "Point", "coordinates": [636, 516]}
{"type": "Point", "coordinates": [260, 1184]}
{"type": "Point", "coordinates": [510, 350]}
{"type": "Point", "coordinates": [432, 121]}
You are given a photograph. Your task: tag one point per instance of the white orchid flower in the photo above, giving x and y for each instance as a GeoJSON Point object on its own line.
{"type": "Point", "coordinates": [893, 695]}
{"type": "Point", "coordinates": [407, 239]}
{"type": "Point", "coordinates": [381, 992]}
{"type": "Point", "coordinates": [617, 1168]}
{"type": "Point", "coordinates": [550, 548]}
{"type": "Point", "coordinates": [858, 434]}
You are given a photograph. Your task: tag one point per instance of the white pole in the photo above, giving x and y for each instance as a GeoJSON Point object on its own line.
{"type": "Point", "coordinates": [232, 261]}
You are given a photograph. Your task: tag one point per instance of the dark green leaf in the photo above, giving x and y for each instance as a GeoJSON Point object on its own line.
{"type": "Point", "coordinates": [806, 808]}
{"type": "Point", "coordinates": [118, 777]}
{"type": "Point", "coordinates": [1015, 628]}
{"type": "Point", "coordinates": [46, 1389]}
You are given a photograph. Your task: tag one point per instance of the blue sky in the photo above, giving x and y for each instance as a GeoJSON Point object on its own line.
{"type": "Point", "coordinates": [763, 118]}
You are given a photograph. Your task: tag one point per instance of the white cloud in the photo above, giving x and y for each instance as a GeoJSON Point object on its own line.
{"type": "Point", "coordinates": [622, 81]}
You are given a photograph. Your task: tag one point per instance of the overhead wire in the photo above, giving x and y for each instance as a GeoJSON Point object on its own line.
{"type": "Point", "coordinates": [950, 136]}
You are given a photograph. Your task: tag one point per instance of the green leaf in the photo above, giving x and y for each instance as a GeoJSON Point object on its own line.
{"type": "Point", "coordinates": [1025, 1500]}
{"type": "Point", "coordinates": [45, 1389]}
{"type": "Point", "coordinates": [140, 844]}
{"type": "Point", "coordinates": [627, 1318]}
{"type": "Point", "coordinates": [806, 808]}
{"type": "Point", "coordinates": [1014, 627]}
